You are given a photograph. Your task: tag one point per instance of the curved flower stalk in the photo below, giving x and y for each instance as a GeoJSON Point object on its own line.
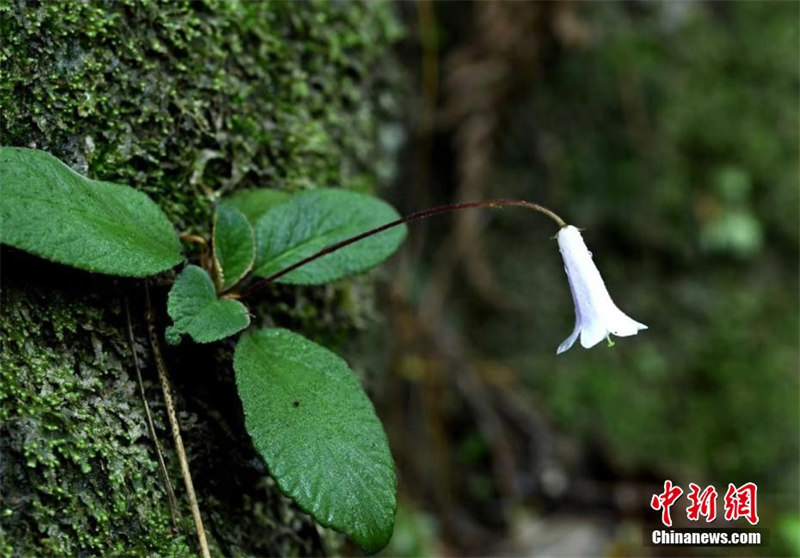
{"type": "Point", "coordinates": [596, 315]}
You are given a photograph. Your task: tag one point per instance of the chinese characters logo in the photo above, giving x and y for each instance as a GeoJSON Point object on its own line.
{"type": "Point", "coordinates": [740, 502]}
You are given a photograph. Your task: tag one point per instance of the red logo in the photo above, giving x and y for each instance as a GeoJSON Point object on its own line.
{"type": "Point", "coordinates": [665, 500]}
{"type": "Point", "coordinates": [702, 503]}
{"type": "Point", "coordinates": [739, 502]}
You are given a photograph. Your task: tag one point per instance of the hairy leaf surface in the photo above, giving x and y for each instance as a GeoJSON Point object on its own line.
{"type": "Point", "coordinates": [318, 433]}
{"type": "Point", "coordinates": [48, 209]}
{"type": "Point", "coordinates": [195, 309]}
{"type": "Point", "coordinates": [234, 246]}
{"type": "Point", "coordinates": [316, 219]}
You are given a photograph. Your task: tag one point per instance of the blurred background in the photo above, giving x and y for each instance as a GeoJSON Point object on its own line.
{"type": "Point", "coordinates": [668, 132]}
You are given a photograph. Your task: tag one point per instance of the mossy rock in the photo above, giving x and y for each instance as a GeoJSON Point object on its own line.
{"type": "Point", "coordinates": [185, 101]}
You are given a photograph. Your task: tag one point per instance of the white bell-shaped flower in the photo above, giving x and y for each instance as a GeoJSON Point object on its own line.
{"type": "Point", "coordinates": [596, 315]}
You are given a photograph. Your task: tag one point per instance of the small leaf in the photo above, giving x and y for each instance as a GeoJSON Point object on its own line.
{"type": "Point", "coordinates": [254, 203]}
{"type": "Point", "coordinates": [314, 220]}
{"type": "Point", "coordinates": [194, 307]}
{"type": "Point", "coordinates": [318, 433]}
{"type": "Point", "coordinates": [48, 209]}
{"type": "Point", "coordinates": [234, 246]}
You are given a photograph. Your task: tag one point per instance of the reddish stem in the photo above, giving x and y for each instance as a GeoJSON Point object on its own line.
{"type": "Point", "coordinates": [407, 219]}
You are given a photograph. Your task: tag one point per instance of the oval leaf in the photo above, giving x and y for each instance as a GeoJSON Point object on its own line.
{"type": "Point", "coordinates": [194, 307]}
{"type": "Point", "coordinates": [254, 203]}
{"type": "Point", "coordinates": [234, 246]}
{"type": "Point", "coordinates": [318, 433]}
{"type": "Point", "coordinates": [48, 209]}
{"type": "Point", "coordinates": [315, 219]}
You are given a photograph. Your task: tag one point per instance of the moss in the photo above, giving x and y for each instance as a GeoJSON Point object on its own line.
{"type": "Point", "coordinates": [72, 426]}
{"type": "Point", "coordinates": [181, 99]}
{"type": "Point", "coordinates": [185, 101]}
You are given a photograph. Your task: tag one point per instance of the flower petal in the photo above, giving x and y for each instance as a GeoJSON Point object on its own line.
{"type": "Point", "coordinates": [592, 333]}
{"type": "Point", "coordinates": [569, 341]}
{"type": "Point", "coordinates": [596, 315]}
{"type": "Point", "coordinates": [623, 325]}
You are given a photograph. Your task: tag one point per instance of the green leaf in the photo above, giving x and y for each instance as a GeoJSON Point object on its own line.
{"type": "Point", "coordinates": [194, 307]}
{"type": "Point", "coordinates": [318, 433]}
{"type": "Point", "coordinates": [234, 246]}
{"type": "Point", "coordinates": [48, 209]}
{"type": "Point", "coordinates": [314, 220]}
{"type": "Point", "coordinates": [254, 203]}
